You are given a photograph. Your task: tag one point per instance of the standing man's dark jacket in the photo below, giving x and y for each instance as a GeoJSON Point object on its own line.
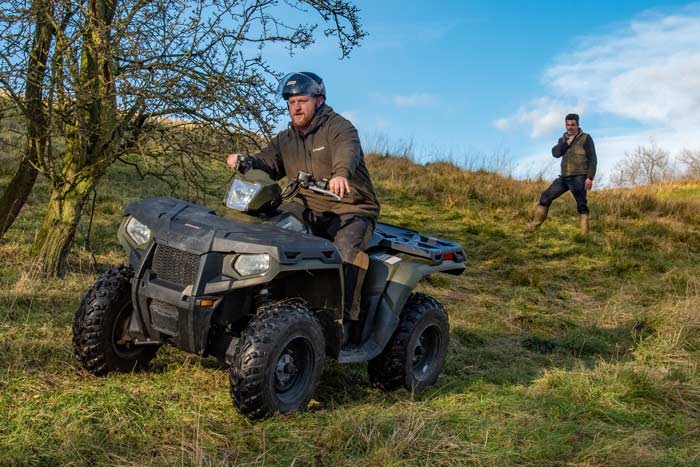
{"type": "Point", "coordinates": [331, 147]}
{"type": "Point", "coordinates": [579, 158]}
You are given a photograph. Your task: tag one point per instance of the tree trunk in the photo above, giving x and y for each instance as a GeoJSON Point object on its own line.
{"type": "Point", "coordinates": [89, 142]}
{"type": "Point", "coordinates": [53, 240]}
{"type": "Point", "coordinates": [16, 194]}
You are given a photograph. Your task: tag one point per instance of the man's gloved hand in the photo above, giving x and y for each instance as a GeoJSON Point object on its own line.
{"type": "Point", "coordinates": [339, 186]}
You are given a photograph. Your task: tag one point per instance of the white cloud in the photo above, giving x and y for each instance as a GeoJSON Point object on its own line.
{"type": "Point", "coordinates": [610, 150]}
{"type": "Point", "coordinates": [668, 94]}
{"type": "Point", "coordinates": [502, 123]}
{"type": "Point", "coordinates": [353, 116]}
{"type": "Point", "coordinates": [543, 116]}
{"type": "Point", "coordinates": [646, 73]}
{"type": "Point", "coordinates": [421, 99]}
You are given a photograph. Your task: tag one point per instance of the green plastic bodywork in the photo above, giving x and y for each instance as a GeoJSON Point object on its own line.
{"type": "Point", "coordinates": [390, 279]}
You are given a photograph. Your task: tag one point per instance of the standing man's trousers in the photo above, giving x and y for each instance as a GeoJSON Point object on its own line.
{"type": "Point", "coordinates": [575, 183]}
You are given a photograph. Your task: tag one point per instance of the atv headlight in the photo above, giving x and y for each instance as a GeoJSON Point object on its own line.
{"type": "Point", "coordinates": [138, 232]}
{"type": "Point", "coordinates": [240, 193]}
{"type": "Point", "coordinates": [248, 265]}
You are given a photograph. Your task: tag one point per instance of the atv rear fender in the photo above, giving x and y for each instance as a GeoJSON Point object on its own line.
{"type": "Point", "coordinates": [390, 280]}
{"type": "Point", "coordinates": [399, 259]}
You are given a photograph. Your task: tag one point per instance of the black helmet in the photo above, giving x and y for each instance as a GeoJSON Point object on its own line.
{"type": "Point", "coordinates": [301, 83]}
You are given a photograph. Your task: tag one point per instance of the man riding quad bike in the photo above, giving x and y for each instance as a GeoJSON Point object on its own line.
{"type": "Point", "coordinates": [255, 288]}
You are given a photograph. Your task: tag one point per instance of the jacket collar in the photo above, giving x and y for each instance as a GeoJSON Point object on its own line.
{"type": "Point", "coordinates": [578, 135]}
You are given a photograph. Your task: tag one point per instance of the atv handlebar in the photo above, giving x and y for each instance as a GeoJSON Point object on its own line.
{"type": "Point", "coordinates": [325, 192]}
{"type": "Point", "coordinates": [306, 180]}
{"type": "Point", "coordinates": [303, 180]}
{"type": "Point", "coordinates": [320, 186]}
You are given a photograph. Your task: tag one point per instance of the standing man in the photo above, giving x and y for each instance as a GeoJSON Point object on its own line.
{"type": "Point", "coordinates": [326, 145]}
{"type": "Point", "coordinates": [578, 166]}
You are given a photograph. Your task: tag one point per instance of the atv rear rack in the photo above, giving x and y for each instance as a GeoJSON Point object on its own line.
{"type": "Point", "coordinates": [413, 243]}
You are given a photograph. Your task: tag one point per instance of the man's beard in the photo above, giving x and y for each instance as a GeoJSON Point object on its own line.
{"type": "Point", "coordinates": [301, 121]}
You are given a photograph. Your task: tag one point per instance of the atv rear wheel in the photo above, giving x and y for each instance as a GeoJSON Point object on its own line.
{"type": "Point", "coordinates": [100, 324]}
{"type": "Point", "coordinates": [415, 355]}
{"type": "Point", "coordinates": [278, 361]}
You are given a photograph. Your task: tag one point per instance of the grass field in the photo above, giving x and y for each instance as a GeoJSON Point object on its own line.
{"type": "Point", "coordinates": [565, 350]}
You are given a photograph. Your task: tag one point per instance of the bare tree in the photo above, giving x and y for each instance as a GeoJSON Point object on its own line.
{"type": "Point", "coordinates": [643, 166]}
{"type": "Point", "coordinates": [99, 73]}
{"type": "Point", "coordinates": [691, 159]}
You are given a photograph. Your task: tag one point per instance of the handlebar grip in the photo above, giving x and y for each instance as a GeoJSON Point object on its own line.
{"type": "Point", "coordinates": [245, 163]}
{"type": "Point", "coordinates": [325, 192]}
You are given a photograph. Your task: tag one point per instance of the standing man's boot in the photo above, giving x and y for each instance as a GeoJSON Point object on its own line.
{"type": "Point", "coordinates": [540, 216]}
{"type": "Point", "coordinates": [584, 221]}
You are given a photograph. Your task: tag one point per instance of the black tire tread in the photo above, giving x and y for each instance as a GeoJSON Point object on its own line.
{"type": "Point", "coordinates": [387, 370]}
{"type": "Point", "coordinates": [91, 319]}
{"type": "Point", "coordinates": [257, 342]}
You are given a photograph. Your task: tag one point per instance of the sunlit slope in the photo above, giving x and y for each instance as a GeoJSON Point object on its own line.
{"type": "Point", "coordinates": [565, 350]}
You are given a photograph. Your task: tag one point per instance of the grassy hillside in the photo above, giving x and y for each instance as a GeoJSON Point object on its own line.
{"type": "Point", "coordinates": [565, 350]}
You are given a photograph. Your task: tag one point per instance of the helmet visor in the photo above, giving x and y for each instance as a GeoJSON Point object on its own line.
{"type": "Point", "coordinates": [295, 84]}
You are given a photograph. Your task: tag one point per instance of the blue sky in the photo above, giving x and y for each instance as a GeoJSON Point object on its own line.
{"type": "Point", "coordinates": [469, 81]}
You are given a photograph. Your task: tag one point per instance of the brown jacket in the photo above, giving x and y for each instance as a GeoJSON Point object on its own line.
{"type": "Point", "coordinates": [331, 147]}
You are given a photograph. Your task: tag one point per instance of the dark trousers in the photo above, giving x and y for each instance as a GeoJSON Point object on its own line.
{"type": "Point", "coordinates": [350, 233]}
{"type": "Point", "coordinates": [575, 183]}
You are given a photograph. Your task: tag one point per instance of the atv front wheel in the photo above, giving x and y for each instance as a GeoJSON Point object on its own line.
{"type": "Point", "coordinates": [278, 362]}
{"type": "Point", "coordinates": [100, 324]}
{"type": "Point", "coordinates": [414, 356]}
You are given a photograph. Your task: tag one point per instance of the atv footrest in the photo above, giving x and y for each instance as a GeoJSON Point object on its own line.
{"type": "Point", "coordinates": [367, 351]}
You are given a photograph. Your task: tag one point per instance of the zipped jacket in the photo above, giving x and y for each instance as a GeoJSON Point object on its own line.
{"type": "Point", "coordinates": [331, 147]}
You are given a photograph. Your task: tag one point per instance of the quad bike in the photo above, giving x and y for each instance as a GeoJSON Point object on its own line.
{"type": "Point", "coordinates": [254, 289]}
